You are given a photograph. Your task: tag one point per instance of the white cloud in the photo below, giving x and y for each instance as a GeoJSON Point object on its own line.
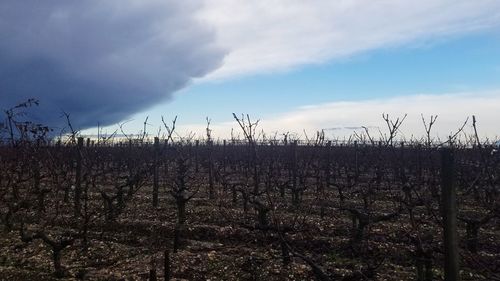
{"type": "Point", "coordinates": [270, 35]}
{"type": "Point", "coordinates": [452, 110]}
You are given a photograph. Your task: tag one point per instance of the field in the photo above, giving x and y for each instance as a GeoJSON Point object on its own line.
{"type": "Point", "coordinates": [276, 210]}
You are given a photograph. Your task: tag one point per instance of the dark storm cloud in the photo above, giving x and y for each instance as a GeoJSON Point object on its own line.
{"type": "Point", "coordinates": [100, 61]}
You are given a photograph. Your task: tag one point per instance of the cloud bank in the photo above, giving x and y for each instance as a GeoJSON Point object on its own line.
{"type": "Point", "coordinates": [267, 36]}
{"type": "Point", "coordinates": [341, 119]}
{"type": "Point", "coordinates": [100, 61]}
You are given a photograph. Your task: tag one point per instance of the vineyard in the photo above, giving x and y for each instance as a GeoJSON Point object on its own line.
{"type": "Point", "coordinates": [248, 209]}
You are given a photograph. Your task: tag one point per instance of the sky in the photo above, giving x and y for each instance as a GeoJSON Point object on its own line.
{"type": "Point", "coordinates": [297, 66]}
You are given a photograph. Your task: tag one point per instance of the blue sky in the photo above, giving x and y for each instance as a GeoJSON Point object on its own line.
{"type": "Point", "coordinates": [469, 63]}
{"type": "Point", "coordinates": [455, 65]}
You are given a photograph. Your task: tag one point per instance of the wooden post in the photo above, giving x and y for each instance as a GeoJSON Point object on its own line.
{"type": "Point", "coordinates": [211, 188]}
{"type": "Point", "coordinates": [356, 158]}
{"type": "Point", "coordinates": [449, 209]}
{"type": "Point", "coordinates": [197, 148]}
{"type": "Point", "coordinates": [295, 187]}
{"type": "Point", "coordinates": [155, 171]}
{"type": "Point", "coordinates": [177, 238]}
{"type": "Point", "coordinates": [224, 149]}
{"type": "Point", "coordinates": [152, 269]}
{"type": "Point", "coordinates": [37, 177]}
{"type": "Point", "coordinates": [419, 163]}
{"type": "Point", "coordinates": [166, 265]}
{"type": "Point", "coordinates": [327, 180]}
{"type": "Point", "coordinates": [78, 176]}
